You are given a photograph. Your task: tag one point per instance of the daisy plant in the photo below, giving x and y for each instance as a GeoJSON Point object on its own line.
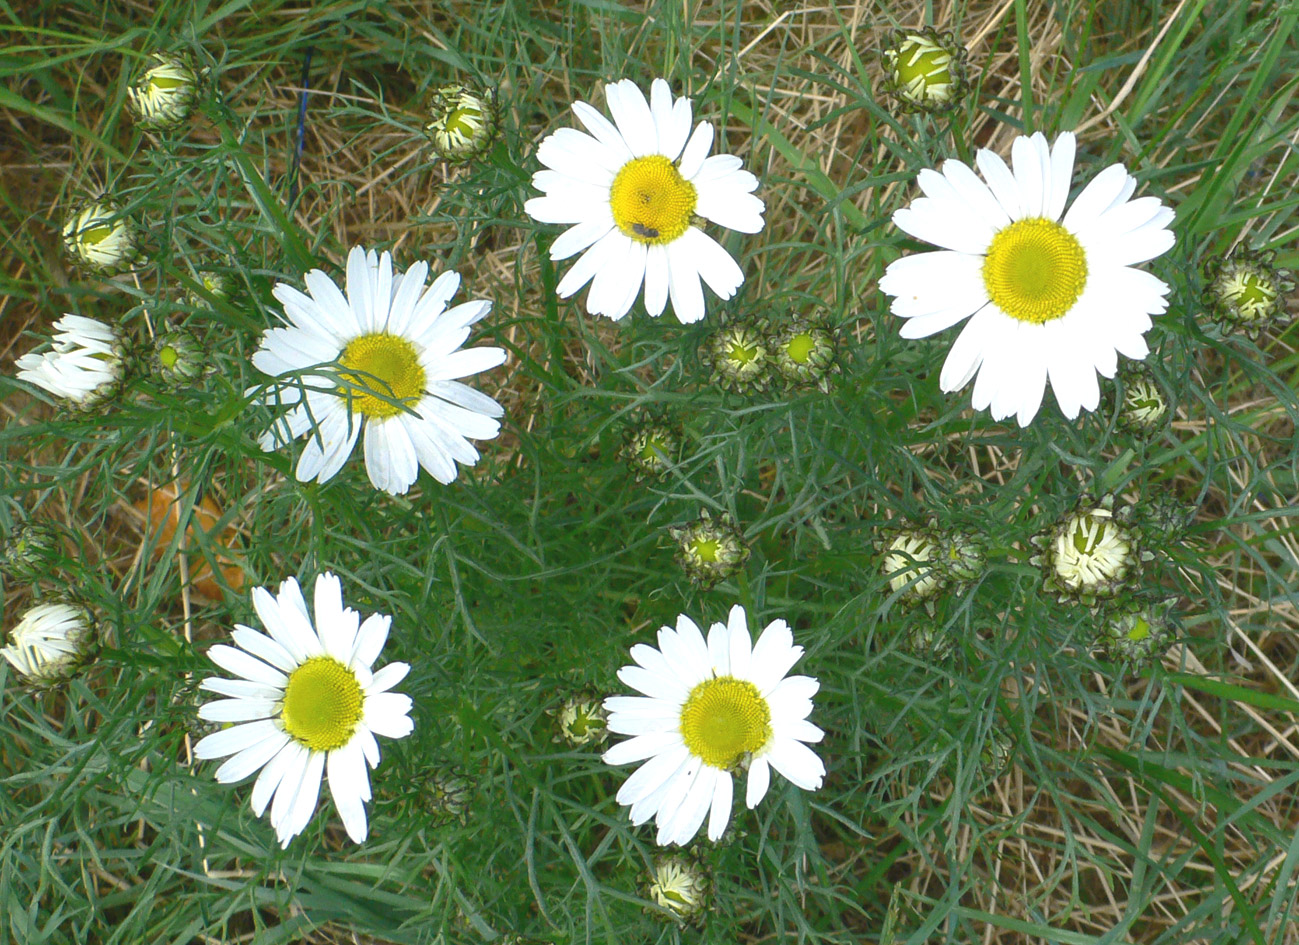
{"type": "Point", "coordinates": [307, 703]}
{"type": "Point", "coordinates": [399, 359]}
{"type": "Point", "coordinates": [635, 193]}
{"type": "Point", "coordinates": [709, 710]}
{"type": "Point", "coordinates": [1046, 294]}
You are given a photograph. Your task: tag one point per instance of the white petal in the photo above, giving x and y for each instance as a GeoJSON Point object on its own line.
{"type": "Point", "coordinates": [648, 745]}
{"type": "Point", "coordinates": [605, 250]}
{"type": "Point", "coordinates": [241, 664]}
{"type": "Point", "coordinates": [228, 741]}
{"type": "Point", "coordinates": [683, 281]}
{"type": "Point", "coordinates": [1062, 157]}
{"type": "Point", "coordinates": [631, 112]}
{"type": "Point", "coordinates": [579, 237]}
{"type": "Point", "coordinates": [304, 800]}
{"type": "Point", "coordinates": [348, 784]}
{"type": "Point", "coordinates": [237, 710]}
{"type": "Point", "coordinates": [656, 280]}
{"type": "Point", "coordinates": [370, 640]}
{"type": "Point", "coordinates": [798, 763]}
{"type": "Point", "coordinates": [1001, 182]}
{"type": "Point", "coordinates": [603, 130]}
{"type": "Point", "coordinates": [723, 789]}
{"type": "Point", "coordinates": [697, 148]}
{"type": "Point", "coordinates": [1096, 197]}
{"type": "Point", "coordinates": [241, 765]}
{"type": "Point", "coordinates": [759, 780]}
{"type": "Point", "coordinates": [671, 120]}
{"type": "Point", "coordinates": [386, 714]}
{"type": "Point", "coordinates": [290, 758]}
{"type": "Point", "coordinates": [387, 677]}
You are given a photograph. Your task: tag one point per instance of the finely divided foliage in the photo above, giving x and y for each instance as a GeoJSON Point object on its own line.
{"type": "Point", "coordinates": [972, 679]}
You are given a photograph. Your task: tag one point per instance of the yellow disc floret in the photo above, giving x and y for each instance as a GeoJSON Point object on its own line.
{"type": "Point", "coordinates": [381, 375]}
{"type": "Point", "coordinates": [724, 719]}
{"type": "Point", "coordinates": [322, 704]}
{"type": "Point", "coordinates": [650, 200]}
{"type": "Point", "coordinates": [1035, 270]}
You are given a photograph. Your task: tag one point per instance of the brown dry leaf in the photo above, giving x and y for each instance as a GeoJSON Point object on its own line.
{"type": "Point", "coordinates": [163, 507]}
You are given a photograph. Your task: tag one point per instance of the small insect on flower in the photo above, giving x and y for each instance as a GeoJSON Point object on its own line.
{"type": "Point", "coordinates": [163, 94]}
{"type": "Point", "coordinates": [464, 123]}
{"type": "Point", "coordinates": [100, 238]}
{"type": "Point", "coordinates": [649, 233]}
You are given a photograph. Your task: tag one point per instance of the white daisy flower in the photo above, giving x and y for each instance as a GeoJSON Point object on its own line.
{"type": "Point", "coordinates": [307, 704]}
{"type": "Point", "coordinates": [634, 191]}
{"type": "Point", "coordinates": [1053, 294]}
{"type": "Point", "coordinates": [710, 709]}
{"type": "Point", "coordinates": [49, 642]}
{"type": "Point", "coordinates": [85, 364]}
{"type": "Point", "coordinates": [398, 355]}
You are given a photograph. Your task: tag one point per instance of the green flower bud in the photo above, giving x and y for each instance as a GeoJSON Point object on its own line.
{"type": "Point", "coordinates": [463, 123]}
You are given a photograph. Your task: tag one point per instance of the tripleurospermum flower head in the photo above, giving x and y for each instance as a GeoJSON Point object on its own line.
{"type": "Point", "coordinates": [737, 356]}
{"type": "Point", "coordinates": [680, 885]}
{"type": "Point", "coordinates": [178, 357]}
{"type": "Point", "coordinates": [1051, 295]}
{"type": "Point", "coordinates": [463, 122]}
{"type": "Point", "coordinates": [163, 94]}
{"type": "Point", "coordinates": [307, 703]}
{"type": "Point", "coordinates": [926, 70]}
{"type": "Point", "coordinates": [84, 366]}
{"type": "Point", "coordinates": [1091, 554]}
{"type": "Point", "coordinates": [582, 721]}
{"type": "Point", "coordinates": [650, 446]}
{"type": "Point", "coordinates": [1247, 292]}
{"type": "Point", "coordinates": [101, 238]}
{"type": "Point", "coordinates": [803, 350]}
{"type": "Point", "coordinates": [399, 356]}
{"type": "Point", "coordinates": [1144, 409]}
{"type": "Point", "coordinates": [218, 285]}
{"type": "Point", "coordinates": [636, 194]}
{"type": "Point", "coordinates": [710, 549]}
{"type": "Point", "coordinates": [50, 642]}
{"type": "Point", "coordinates": [1138, 633]}
{"type": "Point", "coordinates": [28, 551]}
{"type": "Point", "coordinates": [709, 710]}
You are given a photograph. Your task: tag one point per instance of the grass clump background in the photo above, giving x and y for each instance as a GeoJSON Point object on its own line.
{"type": "Point", "coordinates": [1147, 804]}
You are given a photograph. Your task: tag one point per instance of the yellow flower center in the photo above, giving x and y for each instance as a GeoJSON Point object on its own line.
{"type": "Point", "coordinates": [381, 375]}
{"type": "Point", "coordinates": [799, 348]}
{"type": "Point", "coordinates": [652, 448]}
{"type": "Point", "coordinates": [1251, 296]}
{"type": "Point", "coordinates": [1140, 631]}
{"type": "Point", "coordinates": [166, 83]}
{"type": "Point", "coordinates": [1035, 270]}
{"type": "Point", "coordinates": [322, 704]}
{"type": "Point", "coordinates": [650, 200]}
{"type": "Point", "coordinates": [923, 69]}
{"type": "Point", "coordinates": [168, 356]}
{"type": "Point", "coordinates": [95, 235]}
{"type": "Point", "coordinates": [706, 549]}
{"type": "Point", "coordinates": [741, 353]}
{"type": "Point", "coordinates": [723, 719]}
